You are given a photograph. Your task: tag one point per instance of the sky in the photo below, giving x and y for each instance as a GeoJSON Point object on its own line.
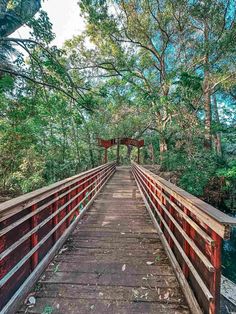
{"type": "Point", "coordinates": [65, 17]}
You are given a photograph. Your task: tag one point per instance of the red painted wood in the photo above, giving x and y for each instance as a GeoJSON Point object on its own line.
{"type": "Point", "coordinates": [34, 240]}
{"type": "Point", "coordinates": [214, 307]}
{"type": "Point", "coordinates": [210, 278]}
{"type": "Point", "coordinates": [119, 141]}
{"type": "Point", "coordinates": [171, 225]}
{"type": "Point", "coordinates": [55, 219]}
{"type": "Point", "coordinates": [15, 278]}
{"type": "Point", "coordinates": [105, 155]}
{"type": "Point", "coordinates": [186, 246]}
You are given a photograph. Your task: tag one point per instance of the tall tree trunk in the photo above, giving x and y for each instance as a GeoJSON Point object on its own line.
{"type": "Point", "coordinates": [207, 109]}
{"type": "Point", "coordinates": [207, 91]}
{"type": "Point", "coordinates": [163, 147]}
{"type": "Point", "coordinates": [162, 141]}
{"type": "Point", "coordinates": [151, 150]}
{"type": "Point", "coordinates": [91, 155]}
{"type": "Point", "coordinates": [217, 135]}
{"type": "Point", "coordinates": [76, 141]}
{"type": "Point", "coordinates": [129, 150]}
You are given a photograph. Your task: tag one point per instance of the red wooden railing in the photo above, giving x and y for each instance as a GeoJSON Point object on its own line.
{"type": "Point", "coordinates": [191, 232]}
{"type": "Point", "coordinates": [34, 226]}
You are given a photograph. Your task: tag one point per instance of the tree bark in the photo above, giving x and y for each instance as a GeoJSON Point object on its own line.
{"type": "Point", "coordinates": [207, 91]}
{"type": "Point", "coordinates": [129, 150]}
{"type": "Point", "coordinates": [163, 147]}
{"type": "Point", "coordinates": [151, 150]}
{"type": "Point", "coordinates": [217, 135]}
{"type": "Point", "coordinates": [207, 109]}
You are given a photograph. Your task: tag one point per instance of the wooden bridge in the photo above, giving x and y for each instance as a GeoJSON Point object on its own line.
{"type": "Point", "coordinates": [111, 240]}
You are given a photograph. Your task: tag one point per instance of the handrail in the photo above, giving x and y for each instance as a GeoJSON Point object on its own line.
{"type": "Point", "coordinates": [21, 202]}
{"type": "Point", "coordinates": [192, 232]}
{"type": "Point", "coordinates": [33, 227]}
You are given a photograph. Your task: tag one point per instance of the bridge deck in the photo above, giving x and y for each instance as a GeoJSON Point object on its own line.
{"type": "Point", "coordinates": [113, 263]}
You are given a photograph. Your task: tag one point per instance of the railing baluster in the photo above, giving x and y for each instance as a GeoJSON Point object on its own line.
{"type": "Point", "coordinates": [34, 239]}
{"type": "Point", "coordinates": [55, 218]}
{"type": "Point", "coordinates": [186, 246]}
{"type": "Point", "coordinates": [216, 280]}
{"type": "Point", "coordinates": [171, 225]}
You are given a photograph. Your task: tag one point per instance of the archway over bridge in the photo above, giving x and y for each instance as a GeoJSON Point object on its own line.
{"type": "Point", "coordinates": [119, 141]}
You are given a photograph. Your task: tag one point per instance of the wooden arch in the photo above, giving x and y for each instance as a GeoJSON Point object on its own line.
{"type": "Point", "coordinates": [119, 141]}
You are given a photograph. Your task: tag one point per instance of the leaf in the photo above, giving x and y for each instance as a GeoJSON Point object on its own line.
{"type": "Point", "coordinates": [56, 268]}
{"type": "Point", "coordinates": [166, 295]}
{"type": "Point", "coordinates": [47, 310]}
{"type": "Point", "coordinates": [32, 300]}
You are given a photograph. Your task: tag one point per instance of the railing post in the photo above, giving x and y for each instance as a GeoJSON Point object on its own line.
{"type": "Point", "coordinates": [171, 225]}
{"type": "Point", "coordinates": [216, 281]}
{"type": "Point", "coordinates": [118, 152]}
{"type": "Point", "coordinates": [161, 198]}
{"type": "Point", "coordinates": [186, 246]}
{"type": "Point", "coordinates": [34, 239]}
{"type": "Point", "coordinates": [55, 218]}
{"type": "Point", "coordinates": [80, 197]}
{"type": "Point", "coordinates": [105, 156]}
{"type": "Point", "coordinates": [68, 209]}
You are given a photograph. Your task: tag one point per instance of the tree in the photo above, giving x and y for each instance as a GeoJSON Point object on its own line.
{"type": "Point", "coordinates": [15, 13]}
{"type": "Point", "coordinates": [210, 50]}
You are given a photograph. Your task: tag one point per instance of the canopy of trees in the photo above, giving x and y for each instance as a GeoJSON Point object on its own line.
{"type": "Point", "coordinates": [161, 70]}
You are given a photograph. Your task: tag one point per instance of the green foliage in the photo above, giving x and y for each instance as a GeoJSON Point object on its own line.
{"type": "Point", "coordinates": [197, 173]}
{"type": "Point", "coordinates": [41, 28]}
{"type": "Point", "coordinates": [228, 172]}
{"type": "Point", "coordinates": [195, 169]}
{"type": "Point", "coordinates": [29, 175]}
{"type": "Point", "coordinates": [174, 160]}
{"type": "Point", "coordinates": [6, 83]}
{"type": "Point", "coordinates": [143, 77]}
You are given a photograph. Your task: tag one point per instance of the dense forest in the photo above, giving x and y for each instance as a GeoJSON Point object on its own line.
{"type": "Point", "coordinates": [161, 70]}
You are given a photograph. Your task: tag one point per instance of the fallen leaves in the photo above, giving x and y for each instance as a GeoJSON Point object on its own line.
{"type": "Point", "coordinates": [32, 300]}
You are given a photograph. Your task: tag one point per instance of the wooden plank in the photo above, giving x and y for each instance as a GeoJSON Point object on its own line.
{"type": "Point", "coordinates": [114, 279]}
{"type": "Point", "coordinates": [85, 306]}
{"type": "Point", "coordinates": [108, 292]}
{"type": "Point", "coordinates": [111, 266]}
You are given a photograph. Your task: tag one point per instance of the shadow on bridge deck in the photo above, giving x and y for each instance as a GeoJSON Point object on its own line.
{"type": "Point", "coordinates": [114, 261]}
